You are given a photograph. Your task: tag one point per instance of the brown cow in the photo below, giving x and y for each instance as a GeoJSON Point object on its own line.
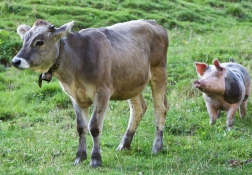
{"type": "Point", "coordinates": [96, 65]}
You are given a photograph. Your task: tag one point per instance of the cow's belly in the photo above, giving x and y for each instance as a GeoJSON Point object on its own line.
{"type": "Point", "coordinates": [130, 87]}
{"type": "Point", "coordinates": [125, 94]}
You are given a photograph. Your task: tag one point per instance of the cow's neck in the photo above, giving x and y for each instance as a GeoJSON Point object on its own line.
{"type": "Point", "coordinates": [48, 75]}
{"type": "Point", "coordinates": [64, 73]}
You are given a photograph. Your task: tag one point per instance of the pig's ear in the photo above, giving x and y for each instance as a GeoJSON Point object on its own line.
{"type": "Point", "coordinates": [219, 67]}
{"type": "Point", "coordinates": [217, 64]}
{"type": "Point", "coordinates": [200, 68]}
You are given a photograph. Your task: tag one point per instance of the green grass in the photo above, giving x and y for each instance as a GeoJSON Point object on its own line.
{"type": "Point", "coordinates": [37, 126]}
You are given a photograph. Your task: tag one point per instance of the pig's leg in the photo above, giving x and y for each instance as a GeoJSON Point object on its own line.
{"type": "Point", "coordinates": [218, 113]}
{"type": "Point", "coordinates": [230, 117]}
{"type": "Point", "coordinates": [212, 113]}
{"type": "Point", "coordinates": [243, 109]}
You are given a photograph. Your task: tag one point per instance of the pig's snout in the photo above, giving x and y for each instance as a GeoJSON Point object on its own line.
{"type": "Point", "coordinates": [197, 83]}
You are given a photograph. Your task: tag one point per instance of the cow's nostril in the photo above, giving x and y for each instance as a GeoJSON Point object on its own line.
{"type": "Point", "coordinates": [16, 63]}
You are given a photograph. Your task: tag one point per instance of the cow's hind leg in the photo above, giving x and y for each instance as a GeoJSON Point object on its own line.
{"type": "Point", "coordinates": [137, 110]}
{"type": "Point", "coordinates": [82, 122]}
{"type": "Point", "coordinates": [158, 83]}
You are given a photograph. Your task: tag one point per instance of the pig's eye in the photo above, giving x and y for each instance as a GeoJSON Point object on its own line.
{"type": "Point", "coordinates": [39, 43]}
{"type": "Point", "coordinates": [215, 74]}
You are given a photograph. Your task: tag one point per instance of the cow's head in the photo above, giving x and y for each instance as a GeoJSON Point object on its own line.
{"type": "Point", "coordinates": [40, 45]}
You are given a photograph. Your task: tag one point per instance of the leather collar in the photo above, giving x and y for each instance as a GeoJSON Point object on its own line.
{"type": "Point", "coordinates": [48, 75]}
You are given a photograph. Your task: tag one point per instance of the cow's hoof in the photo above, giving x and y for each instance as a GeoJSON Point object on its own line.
{"type": "Point", "coordinates": [95, 163]}
{"type": "Point", "coordinates": [125, 142]}
{"type": "Point", "coordinates": [80, 156]}
{"type": "Point", "coordinates": [96, 159]}
{"type": "Point", "coordinates": [123, 147]}
{"type": "Point", "coordinates": [156, 150]}
{"type": "Point", "coordinates": [157, 146]}
{"type": "Point", "coordinates": [77, 161]}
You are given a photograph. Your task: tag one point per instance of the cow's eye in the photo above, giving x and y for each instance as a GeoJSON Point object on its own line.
{"type": "Point", "coordinates": [39, 43]}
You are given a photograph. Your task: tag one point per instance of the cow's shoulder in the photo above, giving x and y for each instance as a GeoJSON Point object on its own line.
{"type": "Point", "coordinates": [87, 38]}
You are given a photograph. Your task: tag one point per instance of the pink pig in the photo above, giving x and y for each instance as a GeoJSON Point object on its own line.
{"type": "Point", "coordinates": [225, 86]}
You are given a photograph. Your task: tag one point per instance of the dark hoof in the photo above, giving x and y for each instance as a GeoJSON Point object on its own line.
{"type": "Point", "coordinates": [95, 163]}
{"type": "Point", "coordinates": [80, 156]}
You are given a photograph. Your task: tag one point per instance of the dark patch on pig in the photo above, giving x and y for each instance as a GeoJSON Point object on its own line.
{"type": "Point", "coordinates": [232, 91]}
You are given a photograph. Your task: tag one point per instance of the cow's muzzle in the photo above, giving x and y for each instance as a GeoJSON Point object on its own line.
{"type": "Point", "coordinates": [20, 63]}
{"type": "Point", "coordinates": [16, 63]}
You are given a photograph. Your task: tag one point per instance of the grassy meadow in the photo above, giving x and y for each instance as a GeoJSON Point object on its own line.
{"type": "Point", "coordinates": [37, 125]}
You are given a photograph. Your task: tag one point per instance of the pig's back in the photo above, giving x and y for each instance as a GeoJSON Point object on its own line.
{"type": "Point", "coordinates": [242, 71]}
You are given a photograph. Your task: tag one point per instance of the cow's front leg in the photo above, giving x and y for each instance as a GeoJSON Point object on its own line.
{"type": "Point", "coordinates": [100, 103]}
{"type": "Point", "coordinates": [137, 110]}
{"type": "Point", "coordinates": [82, 122]}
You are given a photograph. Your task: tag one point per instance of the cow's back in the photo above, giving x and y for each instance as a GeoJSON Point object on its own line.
{"type": "Point", "coordinates": [135, 47]}
{"type": "Point", "coordinates": [129, 49]}
{"type": "Point", "coordinates": [144, 36]}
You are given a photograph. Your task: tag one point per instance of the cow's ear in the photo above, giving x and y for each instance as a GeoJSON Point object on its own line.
{"type": "Point", "coordinates": [200, 68]}
{"type": "Point", "coordinates": [22, 29]}
{"type": "Point", "coordinates": [64, 30]}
